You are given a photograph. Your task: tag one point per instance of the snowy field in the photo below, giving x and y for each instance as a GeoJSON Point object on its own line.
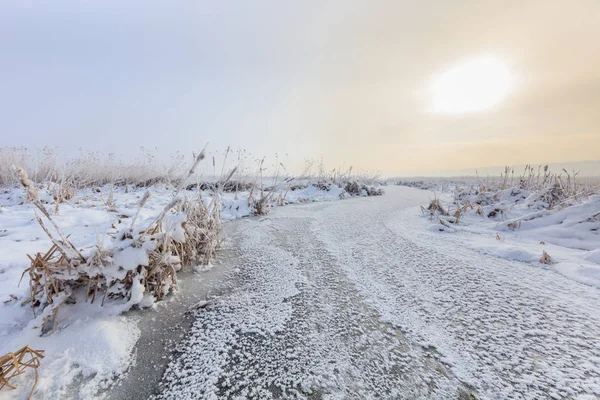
{"type": "Point", "coordinates": [91, 341]}
{"type": "Point", "coordinates": [343, 299]}
{"type": "Point", "coordinates": [521, 224]}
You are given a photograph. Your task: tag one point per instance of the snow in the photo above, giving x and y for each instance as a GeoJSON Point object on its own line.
{"type": "Point", "coordinates": [233, 209]}
{"type": "Point", "coordinates": [593, 256]}
{"type": "Point", "coordinates": [359, 300]}
{"type": "Point", "coordinates": [291, 325]}
{"type": "Point", "coordinates": [95, 348]}
{"type": "Point", "coordinates": [339, 299]}
{"type": "Point", "coordinates": [525, 229]}
{"type": "Point", "coordinates": [92, 342]}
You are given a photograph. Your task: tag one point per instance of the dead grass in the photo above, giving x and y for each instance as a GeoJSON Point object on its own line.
{"type": "Point", "coordinates": [17, 363]}
{"type": "Point", "coordinates": [186, 232]}
{"type": "Point", "coordinates": [87, 169]}
{"type": "Point", "coordinates": [545, 258]}
{"type": "Point", "coordinates": [538, 188]}
{"type": "Point", "coordinates": [435, 207]}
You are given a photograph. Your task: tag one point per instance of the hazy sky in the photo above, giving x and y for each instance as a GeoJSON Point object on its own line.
{"type": "Point", "coordinates": [349, 81]}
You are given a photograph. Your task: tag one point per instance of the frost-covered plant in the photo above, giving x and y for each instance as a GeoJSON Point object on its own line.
{"type": "Point", "coordinates": [135, 264]}
{"type": "Point", "coordinates": [536, 189]}
{"type": "Point", "coordinates": [88, 169]}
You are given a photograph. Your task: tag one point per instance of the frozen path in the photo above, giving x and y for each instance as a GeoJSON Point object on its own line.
{"type": "Point", "coordinates": [357, 299]}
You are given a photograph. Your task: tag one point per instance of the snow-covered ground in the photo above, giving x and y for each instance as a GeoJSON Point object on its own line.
{"type": "Point", "coordinates": [519, 225]}
{"type": "Point", "coordinates": [91, 341]}
{"type": "Point", "coordinates": [349, 299]}
{"type": "Point", "coordinates": [359, 299]}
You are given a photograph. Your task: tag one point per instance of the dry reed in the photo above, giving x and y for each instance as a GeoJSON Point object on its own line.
{"type": "Point", "coordinates": [17, 363]}
{"type": "Point", "coordinates": [185, 232]}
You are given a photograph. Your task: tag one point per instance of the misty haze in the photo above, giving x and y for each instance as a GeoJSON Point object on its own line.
{"type": "Point", "coordinates": [300, 200]}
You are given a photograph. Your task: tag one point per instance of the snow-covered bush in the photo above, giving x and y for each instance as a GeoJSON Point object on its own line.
{"type": "Point", "coordinates": [138, 265]}
{"type": "Point", "coordinates": [535, 194]}
{"type": "Point", "coordinates": [354, 188]}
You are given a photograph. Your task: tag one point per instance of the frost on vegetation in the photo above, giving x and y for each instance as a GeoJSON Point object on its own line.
{"type": "Point", "coordinates": [531, 196]}
{"type": "Point", "coordinates": [116, 235]}
{"type": "Point", "coordinates": [134, 265]}
{"type": "Point", "coordinates": [553, 219]}
{"type": "Point", "coordinates": [282, 188]}
{"type": "Point", "coordinates": [354, 188]}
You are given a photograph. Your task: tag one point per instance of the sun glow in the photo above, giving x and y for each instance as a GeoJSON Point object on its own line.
{"type": "Point", "coordinates": [472, 86]}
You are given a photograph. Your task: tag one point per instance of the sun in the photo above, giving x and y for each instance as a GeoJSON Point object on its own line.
{"type": "Point", "coordinates": [475, 85]}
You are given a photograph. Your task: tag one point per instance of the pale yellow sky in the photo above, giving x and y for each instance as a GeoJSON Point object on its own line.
{"type": "Point", "coordinates": [552, 48]}
{"type": "Point", "coordinates": [348, 81]}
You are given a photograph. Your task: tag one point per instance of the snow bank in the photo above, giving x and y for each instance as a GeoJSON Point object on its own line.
{"type": "Point", "coordinates": [520, 224]}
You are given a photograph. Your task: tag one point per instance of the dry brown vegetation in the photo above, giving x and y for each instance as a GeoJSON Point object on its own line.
{"type": "Point", "coordinates": [545, 259]}
{"type": "Point", "coordinates": [186, 232]}
{"type": "Point", "coordinates": [90, 169]}
{"type": "Point", "coordinates": [539, 186]}
{"type": "Point", "coordinates": [18, 363]}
